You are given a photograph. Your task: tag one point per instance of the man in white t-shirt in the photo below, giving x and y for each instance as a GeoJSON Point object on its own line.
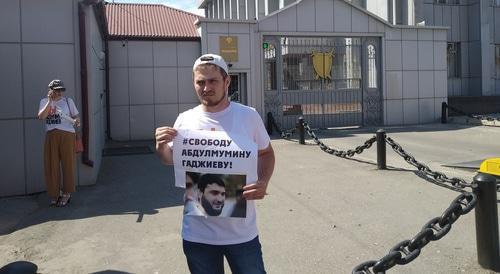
{"type": "Point", "coordinates": [207, 240]}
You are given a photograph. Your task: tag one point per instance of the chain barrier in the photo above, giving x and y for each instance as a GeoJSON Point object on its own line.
{"type": "Point", "coordinates": [475, 116]}
{"type": "Point", "coordinates": [456, 183]}
{"type": "Point", "coordinates": [408, 250]}
{"type": "Point", "coordinates": [284, 134]}
{"type": "Point", "coordinates": [339, 153]}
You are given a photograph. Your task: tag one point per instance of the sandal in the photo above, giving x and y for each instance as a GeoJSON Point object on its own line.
{"type": "Point", "coordinates": [64, 200]}
{"type": "Point", "coordinates": [54, 201]}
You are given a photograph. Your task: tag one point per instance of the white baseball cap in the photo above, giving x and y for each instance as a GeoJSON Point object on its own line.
{"type": "Point", "coordinates": [211, 59]}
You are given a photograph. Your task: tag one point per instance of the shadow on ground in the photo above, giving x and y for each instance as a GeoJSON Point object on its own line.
{"type": "Point", "coordinates": [132, 184]}
{"type": "Point", "coordinates": [352, 131]}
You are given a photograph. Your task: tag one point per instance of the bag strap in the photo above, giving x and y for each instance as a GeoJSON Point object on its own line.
{"type": "Point", "coordinates": [69, 108]}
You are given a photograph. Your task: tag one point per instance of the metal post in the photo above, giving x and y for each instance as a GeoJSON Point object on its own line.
{"type": "Point", "coordinates": [444, 114]}
{"type": "Point", "coordinates": [300, 129]}
{"type": "Point", "coordinates": [488, 254]}
{"type": "Point", "coordinates": [269, 123]}
{"type": "Point", "coordinates": [381, 163]}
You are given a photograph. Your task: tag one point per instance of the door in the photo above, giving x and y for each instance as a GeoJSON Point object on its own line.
{"type": "Point", "coordinates": [321, 80]}
{"type": "Point", "coordinates": [237, 88]}
{"type": "Point", "coordinates": [372, 97]}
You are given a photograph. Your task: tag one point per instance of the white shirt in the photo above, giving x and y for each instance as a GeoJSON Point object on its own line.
{"type": "Point", "coordinates": [245, 121]}
{"type": "Point", "coordinates": [59, 114]}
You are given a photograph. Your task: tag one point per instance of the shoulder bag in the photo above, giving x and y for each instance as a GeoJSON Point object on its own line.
{"type": "Point", "coordinates": [78, 135]}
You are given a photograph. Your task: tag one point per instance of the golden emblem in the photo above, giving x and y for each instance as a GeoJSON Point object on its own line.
{"type": "Point", "coordinates": [322, 62]}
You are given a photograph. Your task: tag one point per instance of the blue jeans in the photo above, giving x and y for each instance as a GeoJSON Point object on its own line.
{"type": "Point", "coordinates": [244, 258]}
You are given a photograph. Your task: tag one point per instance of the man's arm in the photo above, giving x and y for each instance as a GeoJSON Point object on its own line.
{"type": "Point", "coordinates": [265, 164]}
{"type": "Point", "coordinates": [265, 168]}
{"type": "Point", "coordinates": [163, 136]}
{"type": "Point", "coordinates": [44, 111]}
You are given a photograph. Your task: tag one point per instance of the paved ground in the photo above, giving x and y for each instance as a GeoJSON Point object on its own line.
{"type": "Point", "coordinates": [323, 214]}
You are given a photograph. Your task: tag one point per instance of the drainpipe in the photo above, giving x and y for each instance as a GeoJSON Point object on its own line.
{"type": "Point", "coordinates": [84, 86]}
{"type": "Point", "coordinates": [108, 116]}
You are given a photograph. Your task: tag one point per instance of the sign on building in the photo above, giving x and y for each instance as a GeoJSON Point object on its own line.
{"type": "Point", "coordinates": [229, 48]}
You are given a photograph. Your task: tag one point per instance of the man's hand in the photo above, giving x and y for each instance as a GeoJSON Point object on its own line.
{"type": "Point", "coordinates": [51, 95]}
{"type": "Point", "coordinates": [265, 167]}
{"type": "Point", "coordinates": [255, 191]}
{"type": "Point", "coordinates": [163, 136]}
{"type": "Point", "coordinates": [76, 122]}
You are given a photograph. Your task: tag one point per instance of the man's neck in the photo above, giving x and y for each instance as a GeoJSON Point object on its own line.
{"type": "Point", "coordinates": [218, 108]}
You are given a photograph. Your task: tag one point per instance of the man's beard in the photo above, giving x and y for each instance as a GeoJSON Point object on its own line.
{"type": "Point", "coordinates": [209, 103]}
{"type": "Point", "coordinates": [209, 209]}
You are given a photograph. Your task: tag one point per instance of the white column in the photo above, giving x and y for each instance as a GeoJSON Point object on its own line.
{"type": "Point", "coordinates": [221, 9]}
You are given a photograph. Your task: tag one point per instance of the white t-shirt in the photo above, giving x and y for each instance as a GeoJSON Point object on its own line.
{"type": "Point", "coordinates": [245, 121]}
{"type": "Point", "coordinates": [59, 114]}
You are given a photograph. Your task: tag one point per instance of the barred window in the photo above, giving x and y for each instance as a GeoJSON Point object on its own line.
{"type": "Point", "coordinates": [270, 67]}
{"type": "Point", "coordinates": [372, 67]}
{"type": "Point", "coordinates": [453, 56]}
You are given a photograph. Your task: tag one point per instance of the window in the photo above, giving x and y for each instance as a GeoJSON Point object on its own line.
{"type": "Point", "coordinates": [496, 3]}
{"type": "Point", "coordinates": [453, 56]}
{"type": "Point", "coordinates": [497, 60]}
{"type": "Point", "coordinates": [270, 67]}
{"type": "Point", "coordinates": [372, 67]}
{"type": "Point", "coordinates": [448, 2]}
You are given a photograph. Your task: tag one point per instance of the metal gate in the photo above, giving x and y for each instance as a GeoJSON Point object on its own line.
{"type": "Point", "coordinates": [320, 78]}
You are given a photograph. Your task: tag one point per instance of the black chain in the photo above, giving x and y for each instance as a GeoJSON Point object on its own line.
{"type": "Point", "coordinates": [408, 250]}
{"type": "Point", "coordinates": [339, 153]}
{"type": "Point", "coordinates": [456, 183]}
{"type": "Point", "coordinates": [284, 134]}
{"type": "Point", "coordinates": [475, 116]}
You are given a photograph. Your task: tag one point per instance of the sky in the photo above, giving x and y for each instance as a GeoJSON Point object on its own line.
{"type": "Point", "coordinates": [187, 5]}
